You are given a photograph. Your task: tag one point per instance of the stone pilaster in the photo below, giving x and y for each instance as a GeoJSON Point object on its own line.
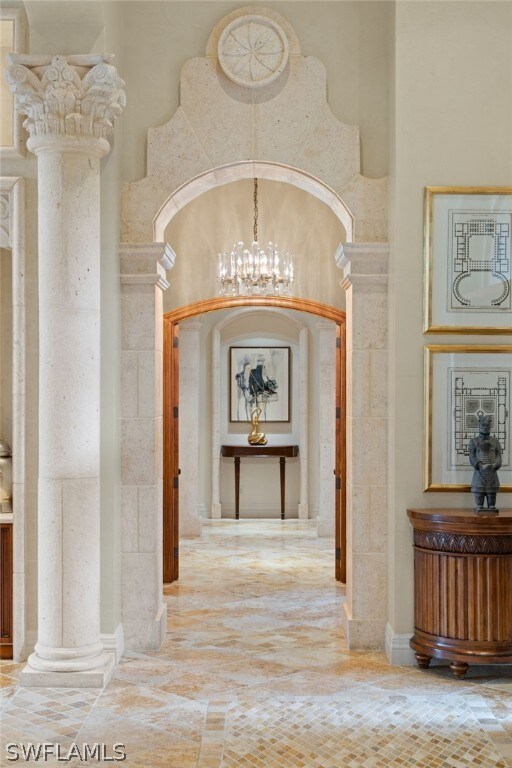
{"type": "Point", "coordinates": [303, 424]}
{"type": "Point", "coordinates": [190, 365]}
{"type": "Point", "coordinates": [365, 280]}
{"type": "Point", "coordinates": [70, 104]}
{"type": "Point", "coordinates": [326, 425]}
{"type": "Point", "coordinates": [143, 279]}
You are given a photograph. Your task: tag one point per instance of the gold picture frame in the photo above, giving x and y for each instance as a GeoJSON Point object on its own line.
{"type": "Point", "coordinates": [460, 380]}
{"type": "Point", "coordinates": [453, 218]}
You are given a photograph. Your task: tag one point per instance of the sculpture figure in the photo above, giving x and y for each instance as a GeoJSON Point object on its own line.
{"type": "Point", "coordinates": [255, 437]}
{"type": "Point", "coordinates": [485, 457]}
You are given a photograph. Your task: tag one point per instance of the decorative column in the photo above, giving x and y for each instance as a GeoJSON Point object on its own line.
{"type": "Point", "coordinates": [190, 365]}
{"type": "Point", "coordinates": [326, 343]}
{"type": "Point", "coordinates": [303, 423]}
{"type": "Point", "coordinates": [143, 280]}
{"type": "Point", "coordinates": [70, 104]}
{"type": "Point", "coordinates": [365, 280]}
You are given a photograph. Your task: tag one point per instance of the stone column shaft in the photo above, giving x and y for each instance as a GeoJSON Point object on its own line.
{"type": "Point", "coordinates": [143, 279]}
{"type": "Point", "coordinates": [69, 104]}
{"type": "Point", "coordinates": [190, 428]}
{"type": "Point", "coordinates": [326, 425]}
{"type": "Point", "coordinates": [365, 280]}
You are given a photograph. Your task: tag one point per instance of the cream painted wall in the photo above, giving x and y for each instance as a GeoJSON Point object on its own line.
{"type": "Point", "coordinates": [453, 126]}
{"type": "Point", "coordinates": [213, 222]}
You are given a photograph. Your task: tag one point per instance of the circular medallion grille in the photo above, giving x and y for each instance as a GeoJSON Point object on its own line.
{"type": "Point", "coordinates": [253, 51]}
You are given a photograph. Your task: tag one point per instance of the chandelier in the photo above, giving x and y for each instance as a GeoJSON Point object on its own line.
{"type": "Point", "coordinates": [254, 271]}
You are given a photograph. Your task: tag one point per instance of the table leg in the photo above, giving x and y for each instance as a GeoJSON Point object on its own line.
{"type": "Point", "coordinates": [237, 487]}
{"type": "Point", "coordinates": [282, 469]}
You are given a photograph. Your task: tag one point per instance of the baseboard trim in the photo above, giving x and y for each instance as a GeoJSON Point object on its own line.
{"type": "Point", "coordinates": [114, 642]}
{"type": "Point", "coordinates": [398, 650]}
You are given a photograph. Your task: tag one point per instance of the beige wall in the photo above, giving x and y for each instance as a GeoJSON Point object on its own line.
{"type": "Point", "coordinates": [453, 126]}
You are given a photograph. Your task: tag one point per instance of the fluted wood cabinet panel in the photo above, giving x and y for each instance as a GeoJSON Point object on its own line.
{"type": "Point", "coordinates": [6, 589]}
{"type": "Point", "coordinates": [462, 587]}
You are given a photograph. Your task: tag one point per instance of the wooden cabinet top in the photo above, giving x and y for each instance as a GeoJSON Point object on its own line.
{"type": "Point", "coordinates": [461, 521]}
{"type": "Point", "coordinates": [287, 451]}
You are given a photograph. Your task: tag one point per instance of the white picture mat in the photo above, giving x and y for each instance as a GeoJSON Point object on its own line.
{"type": "Point", "coordinates": [275, 362]}
{"type": "Point", "coordinates": [476, 368]}
{"type": "Point", "coordinates": [480, 287]}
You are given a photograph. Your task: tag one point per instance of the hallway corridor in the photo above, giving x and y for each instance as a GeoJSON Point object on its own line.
{"type": "Point", "coordinates": [254, 673]}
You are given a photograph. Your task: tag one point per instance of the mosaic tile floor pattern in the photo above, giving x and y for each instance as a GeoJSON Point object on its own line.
{"type": "Point", "coordinates": [255, 673]}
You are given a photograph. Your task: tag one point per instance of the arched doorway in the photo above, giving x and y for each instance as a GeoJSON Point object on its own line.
{"type": "Point", "coordinates": [171, 417]}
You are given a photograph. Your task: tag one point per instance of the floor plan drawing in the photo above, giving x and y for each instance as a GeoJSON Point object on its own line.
{"type": "Point", "coordinates": [480, 275]}
{"type": "Point", "coordinates": [471, 393]}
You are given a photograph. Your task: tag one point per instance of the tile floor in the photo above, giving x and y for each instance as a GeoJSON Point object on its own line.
{"type": "Point", "coordinates": [255, 673]}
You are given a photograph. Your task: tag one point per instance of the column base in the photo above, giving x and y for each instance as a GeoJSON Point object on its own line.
{"type": "Point", "coordinates": [145, 634]}
{"type": "Point", "coordinates": [363, 634]}
{"type": "Point", "coordinates": [303, 511]}
{"type": "Point", "coordinates": [216, 512]}
{"type": "Point", "coordinates": [92, 678]}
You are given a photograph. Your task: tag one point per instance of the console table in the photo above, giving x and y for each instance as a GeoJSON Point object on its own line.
{"type": "Point", "coordinates": [462, 587]}
{"type": "Point", "coordinates": [259, 451]}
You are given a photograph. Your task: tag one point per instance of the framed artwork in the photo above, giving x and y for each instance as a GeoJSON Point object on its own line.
{"type": "Point", "coordinates": [468, 274]}
{"type": "Point", "coordinates": [461, 383]}
{"type": "Point", "coordinates": [259, 376]}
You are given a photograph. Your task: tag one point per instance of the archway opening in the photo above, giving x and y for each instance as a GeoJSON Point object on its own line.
{"type": "Point", "coordinates": [172, 320]}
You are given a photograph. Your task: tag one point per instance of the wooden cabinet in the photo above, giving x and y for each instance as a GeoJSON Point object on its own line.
{"type": "Point", "coordinates": [6, 589]}
{"type": "Point", "coordinates": [462, 587]}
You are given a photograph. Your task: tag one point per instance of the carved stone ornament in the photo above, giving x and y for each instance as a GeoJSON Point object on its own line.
{"type": "Point", "coordinates": [67, 98]}
{"type": "Point", "coordinates": [253, 51]}
{"type": "Point", "coordinates": [5, 220]}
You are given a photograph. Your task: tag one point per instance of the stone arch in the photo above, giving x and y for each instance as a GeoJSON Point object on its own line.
{"type": "Point", "coordinates": [248, 170]}
{"type": "Point", "coordinates": [280, 127]}
{"type": "Point", "coordinates": [221, 132]}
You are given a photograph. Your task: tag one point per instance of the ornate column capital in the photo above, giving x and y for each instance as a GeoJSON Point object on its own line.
{"type": "Point", "coordinates": [364, 265]}
{"type": "Point", "coordinates": [69, 98]}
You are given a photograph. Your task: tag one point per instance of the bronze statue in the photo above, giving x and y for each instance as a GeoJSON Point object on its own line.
{"type": "Point", "coordinates": [255, 437]}
{"type": "Point", "coordinates": [485, 458]}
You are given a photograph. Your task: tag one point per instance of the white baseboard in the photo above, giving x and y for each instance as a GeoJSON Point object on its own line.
{"type": "Point", "coordinates": [114, 642]}
{"type": "Point", "coordinates": [203, 511]}
{"type": "Point", "coordinates": [398, 650]}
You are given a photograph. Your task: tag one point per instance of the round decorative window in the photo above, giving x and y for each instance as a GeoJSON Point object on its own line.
{"type": "Point", "coordinates": [253, 51]}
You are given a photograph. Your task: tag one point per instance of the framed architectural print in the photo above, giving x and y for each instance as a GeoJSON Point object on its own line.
{"type": "Point", "coordinates": [461, 383]}
{"type": "Point", "coordinates": [468, 275]}
{"type": "Point", "coordinates": [259, 376]}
